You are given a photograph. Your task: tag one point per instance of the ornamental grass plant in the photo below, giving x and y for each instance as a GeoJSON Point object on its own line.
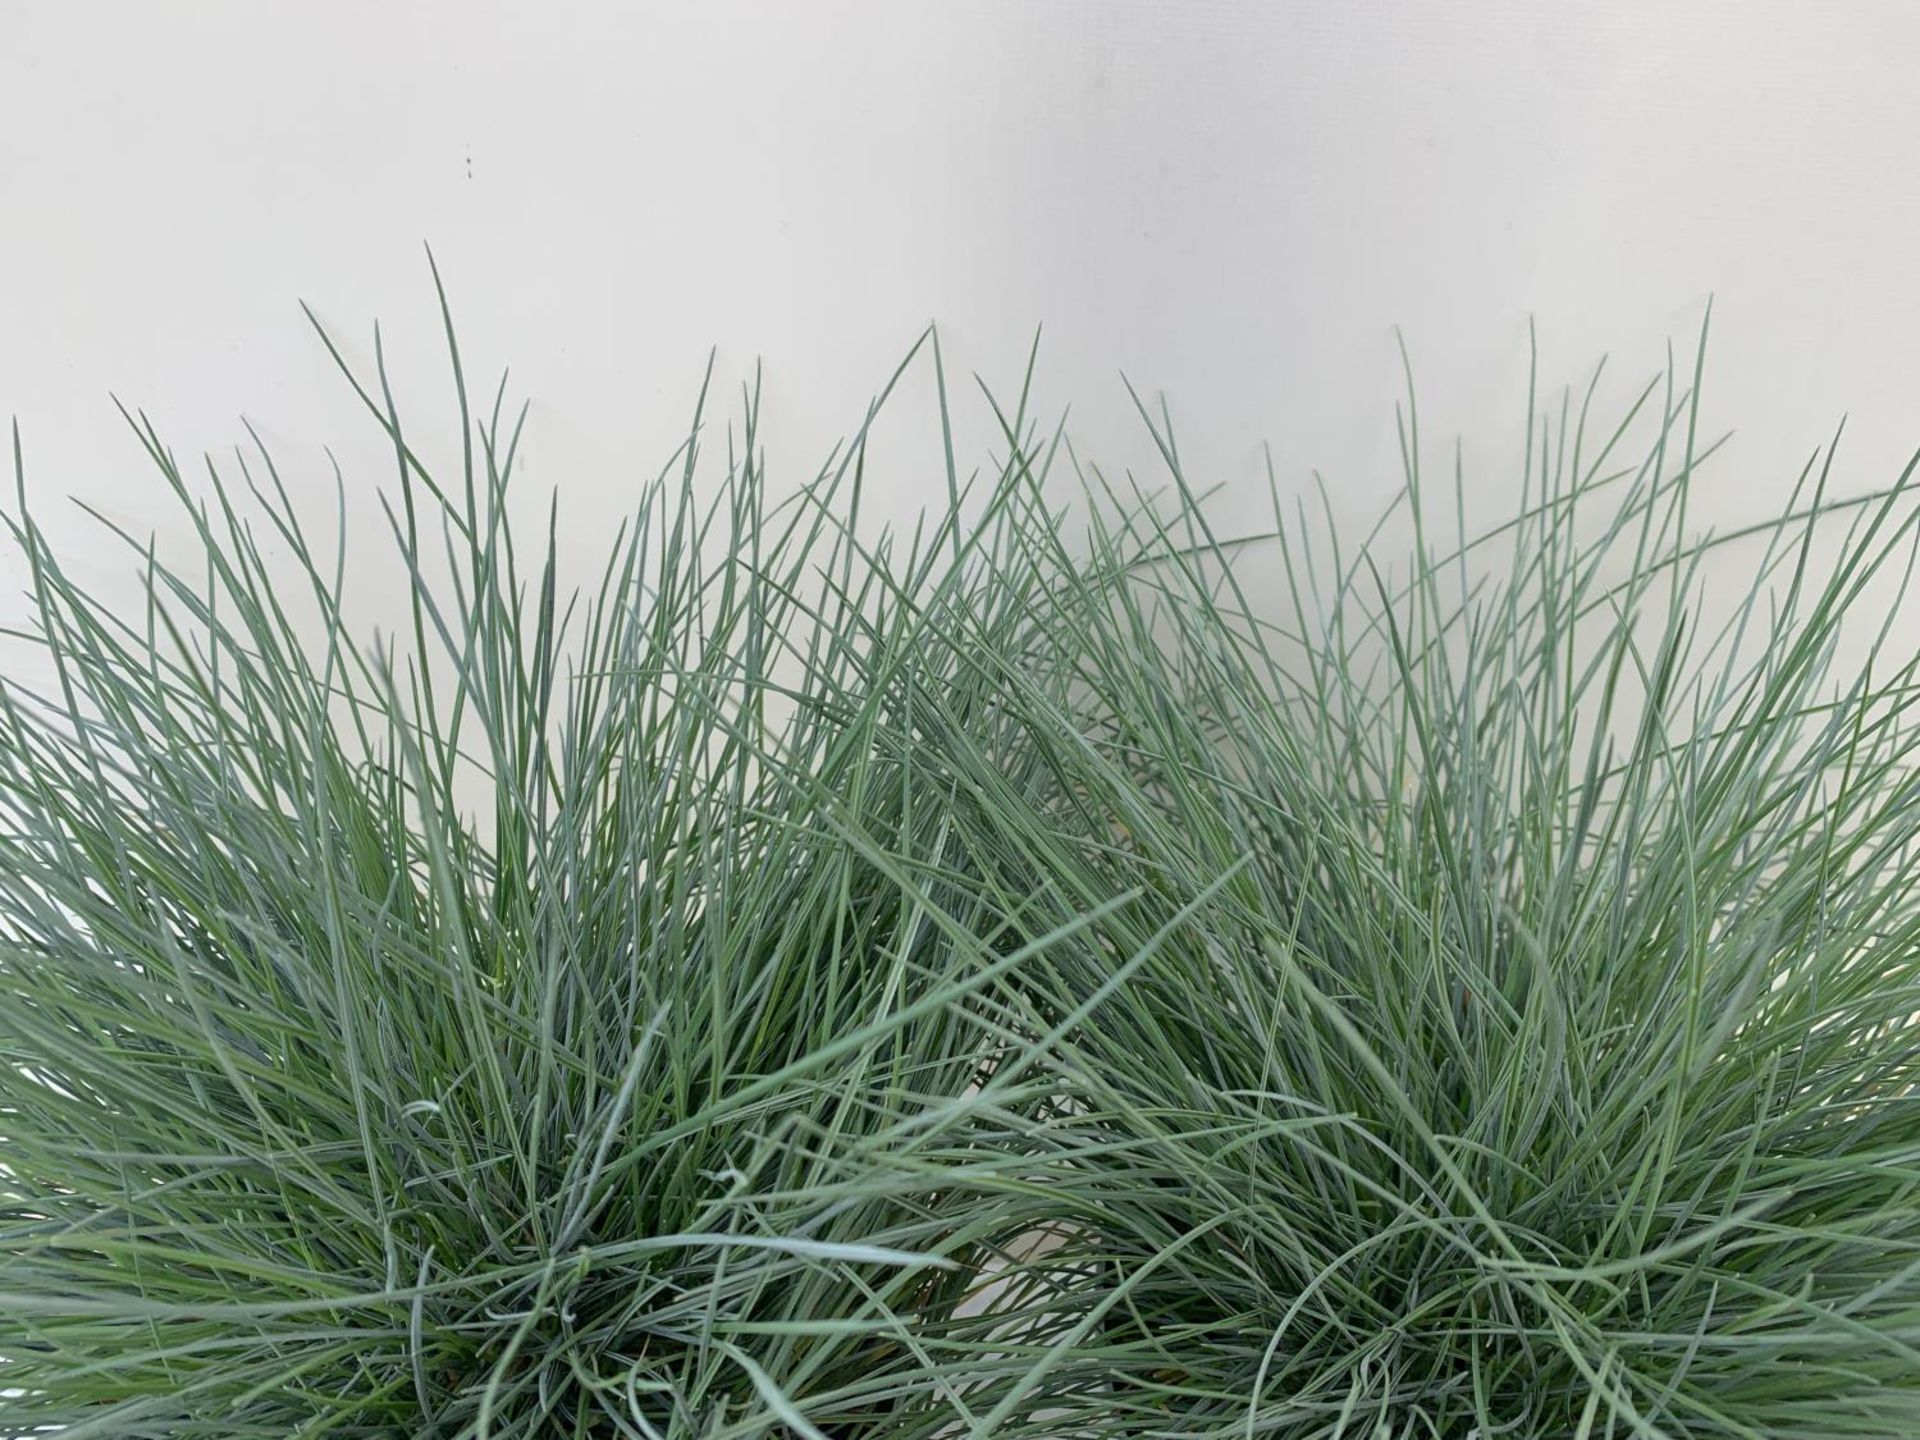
{"type": "Point", "coordinates": [1513, 1028]}
{"type": "Point", "coordinates": [485, 1032]}
{"type": "Point", "coordinates": [1022, 978]}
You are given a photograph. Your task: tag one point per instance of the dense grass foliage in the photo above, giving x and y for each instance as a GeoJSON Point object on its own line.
{"type": "Point", "coordinates": [499, 1041]}
{"type": "Point", "coordinates": [1451, 985]}
{"type": "Point", "coordinates": [1534, 1051]}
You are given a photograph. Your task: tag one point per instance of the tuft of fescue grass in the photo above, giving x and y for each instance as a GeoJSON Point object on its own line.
{"type": "Point", "coordinates": [1514, 1029]}
{"type": "Point", "coordinates": [497, 1030]}
{"type": "Point", "coordinates": [1446, 983]}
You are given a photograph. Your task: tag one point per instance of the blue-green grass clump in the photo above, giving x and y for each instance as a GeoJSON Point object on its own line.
{"type": "Point", "coordinates": [497, 1029]}
{"type": "Point", "coordinates": [1021, 979]}
{"type": "Point", "coordinates": [1514, 1031]}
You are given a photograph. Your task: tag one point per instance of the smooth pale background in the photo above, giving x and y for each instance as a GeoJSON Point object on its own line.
{"type": "Point", "coordinates": [1232, 202]}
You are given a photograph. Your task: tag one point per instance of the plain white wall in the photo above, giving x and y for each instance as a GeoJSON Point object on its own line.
{"type": "Point", "coordinates": [1232, 201]}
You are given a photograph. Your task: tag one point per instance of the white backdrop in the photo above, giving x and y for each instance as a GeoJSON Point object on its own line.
{"type": "Point", "coordinates": [1232, 201]}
